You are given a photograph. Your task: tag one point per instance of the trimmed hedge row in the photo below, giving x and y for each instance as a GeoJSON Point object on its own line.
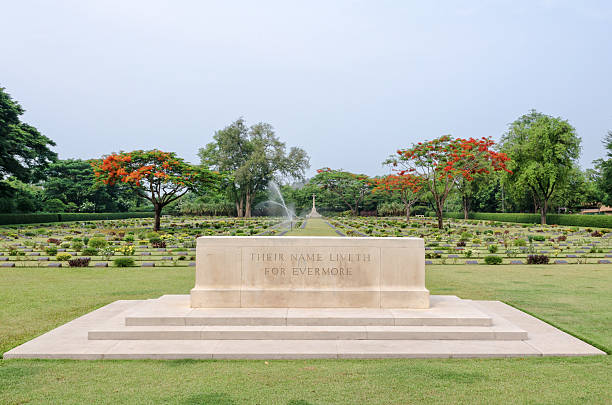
{"type": "Point", "coordinates": [595, 221]}
{"type": "Point", "coordinates": [9, 219]}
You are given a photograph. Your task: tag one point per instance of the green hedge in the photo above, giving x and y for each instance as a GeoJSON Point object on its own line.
{"type": "Point", "coordinates": [595, 221]}
{"type": "Point", "coordinates": [9, 219]}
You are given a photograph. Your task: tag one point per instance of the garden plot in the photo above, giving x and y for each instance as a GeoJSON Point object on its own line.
{"type": "Point", "coordinates": [121, 243]}
{"type": "Point", "coordinates": [476, 242]}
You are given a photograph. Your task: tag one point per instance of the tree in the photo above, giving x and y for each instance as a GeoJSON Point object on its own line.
{"type": "Point", "coordinates": [543, 151]}
{"type": "Point", "coordinates": [407, 186]}
{"type": "Point", "coordinates": [23, 150]}
{"type": "Point", "coordinates": [73, 182]}
{"type": "Point", "coordinates": [253, 156]}
{"type": "Point", "coordinates": [442, 161]}
{"type": "Point", "coordinates": [160, 177]}
{"type": "Point", "coordinates": [350, 188]}
{"type": "Point", "coordinates": [604, 169]}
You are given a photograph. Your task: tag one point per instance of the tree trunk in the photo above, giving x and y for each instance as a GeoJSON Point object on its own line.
{"type": "Point", "coordinates": [407, 213]}
{"type": "Point", "coordinates": [158, 210]}
{"type": "Point", "coordinates": [543, 209]}
{"type": "Point", "coordinates": [439, 215]}
{"type": "Point", "coordinates": [465, 206]}
{"type": "Point", "coordinates": [239, 207]}
{"type": "Point", "coordinates": [247, 206]}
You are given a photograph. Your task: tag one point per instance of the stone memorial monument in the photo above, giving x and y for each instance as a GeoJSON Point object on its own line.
{"type": "Point", "coordinates": [309, 272]}
{"type": "Point", "coordinates": [313, 212]}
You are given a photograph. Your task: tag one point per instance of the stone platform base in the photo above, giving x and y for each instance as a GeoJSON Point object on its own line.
{"type": "Point", "coordinates": [168, 328]}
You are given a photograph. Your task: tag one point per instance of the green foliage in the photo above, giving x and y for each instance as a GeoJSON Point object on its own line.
{"type": "Point", "coordinates": [253, 157]}
{"type": "Point", "coordinates": [8, 219]}
{"type": "Point", "coordinates": [97, 243]}
{"type": "Point", "coordinates": [493, 259]}
{"type": "Point", "coordinates": [90, 251]}
{"type": "Point", "coordinates": [597, 221]}
{"type": "Point", "coordinates": [124, 262]}
{"type": "Point", "coordinates": [63, 257]}
{"type": "Point", "coordinates": [51, 250]}
{"type": "Point", "coordinates": [24, 151]}
{"type": "Point", "coordinates": [492, 248]}
{"type": "Point", "coordinates": [349, 187]}
{"type": "Point", "coordinates": [543, 151]}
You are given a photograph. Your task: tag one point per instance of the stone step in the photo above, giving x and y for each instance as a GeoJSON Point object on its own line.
{"type": "Point", "coordinates": [309, 318]}
{"type": "Point", "coordinates": [504, 331]}
{"type": "Point", "coordinates": [175, 311]}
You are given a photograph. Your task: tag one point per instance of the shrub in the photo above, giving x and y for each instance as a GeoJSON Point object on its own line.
{"type": "Point", "coordinates": [537, 259]}
{"type": "Point", "coordinates": [90, 251]}
{"type": "Point", "coordinates": [63, 257]}
{"type": "Point", "coordinates": [158, 243]}
{"type": "Point", "coordinates": [97, 243]}
{"type": "Point", "coordinates": [493, 259]}
{"type": "Point", "coordinates": [596, 234]}
{"type": "Point", "coordinates": [461, 243]}
{"type": "Point", "coordinates": [520, 242]}
{"type": "Point", "coordinates": [126, 250]}
{"type": "Point", "coordinates": [124, 262]}
{"type": "Point", "coordinates": [53, 240]}
{"type": "Point", "coordinates": [492, 248]}
{"type": "Point", "coordinates": [51, 250]}
{"type": "Point", "coordinates": [79, 262]}
{"type": "Point", "coordinates": [77, 246]}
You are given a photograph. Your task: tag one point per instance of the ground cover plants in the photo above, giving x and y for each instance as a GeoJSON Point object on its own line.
{"type": "Point", "coordinates": [473, 241]}
{"type": "Point", "coordinates": [122, 243]}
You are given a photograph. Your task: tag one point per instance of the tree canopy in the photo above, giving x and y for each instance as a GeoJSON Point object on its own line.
{"type": "Point", "coordinates": [442, 161]}
{"type": "Point", "coordinates": [24, 151]}
{"type": "Point", "coordinates": [160, 177]}
{"type": "Point", "coordinates": [253, 157]}
{"type": "Point", "coordinates": [543, 152]}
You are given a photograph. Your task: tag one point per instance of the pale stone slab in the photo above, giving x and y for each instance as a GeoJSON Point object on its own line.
{"type": "Point", "coordinates": [175, 311]}
{"type": "Point", "coordinates": [70, 341]}
{"type": "Point", "coordinates": [307, 272]}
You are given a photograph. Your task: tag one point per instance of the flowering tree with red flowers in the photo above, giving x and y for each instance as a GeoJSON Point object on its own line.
{"type": "Point", "coordinates": [407, 186]}
{"type": "Point", "coordinates": [160, 177]}
{"type": "Point", "coordinates": [350, 187]}
{"type": "Point", "coordinates": [443, 161]}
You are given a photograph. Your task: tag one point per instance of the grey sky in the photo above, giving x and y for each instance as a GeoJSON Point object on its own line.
{"type": "Point", "coordinates": [349, 81]}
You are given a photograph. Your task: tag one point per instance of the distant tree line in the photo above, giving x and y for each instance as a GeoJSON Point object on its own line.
{"type": "Point", "coordinates": [532, 169]}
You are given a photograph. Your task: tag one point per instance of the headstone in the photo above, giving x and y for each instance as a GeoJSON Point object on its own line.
{"type": "Point", "coordinates": [7, 264]}
{"type": "Point", "coordinates": [101, 264]}
{"type": "Point", "coordinates": [603, 261]}
{"type": "Point", "coordinates": [147, 264]}
{"type": "Point", "coordinates": [471, 262]}
{"type": "Point", "coordinates": [560, 261]}
{"type": "Point", "coordinates": [54, 265]}
{"type": "Point", "coordinates": [516, 262]}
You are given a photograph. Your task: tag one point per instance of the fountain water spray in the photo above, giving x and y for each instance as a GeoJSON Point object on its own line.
{"type": "Point", "coordinates": [275, 190]}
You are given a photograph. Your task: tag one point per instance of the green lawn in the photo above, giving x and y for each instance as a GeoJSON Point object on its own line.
{"type": "Point", "coordinates": [314, 227]}
{"type": "Point", "coordinates": [576, 298]}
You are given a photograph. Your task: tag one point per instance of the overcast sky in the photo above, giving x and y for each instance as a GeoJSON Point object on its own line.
{"type": "Point", "coordinates": [348, 81]}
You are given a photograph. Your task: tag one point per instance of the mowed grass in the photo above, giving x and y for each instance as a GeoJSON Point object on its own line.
{"type": "Point", "coordinates": [314, 227]}
{"type": "Point", "coordinates": [576, 298]}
